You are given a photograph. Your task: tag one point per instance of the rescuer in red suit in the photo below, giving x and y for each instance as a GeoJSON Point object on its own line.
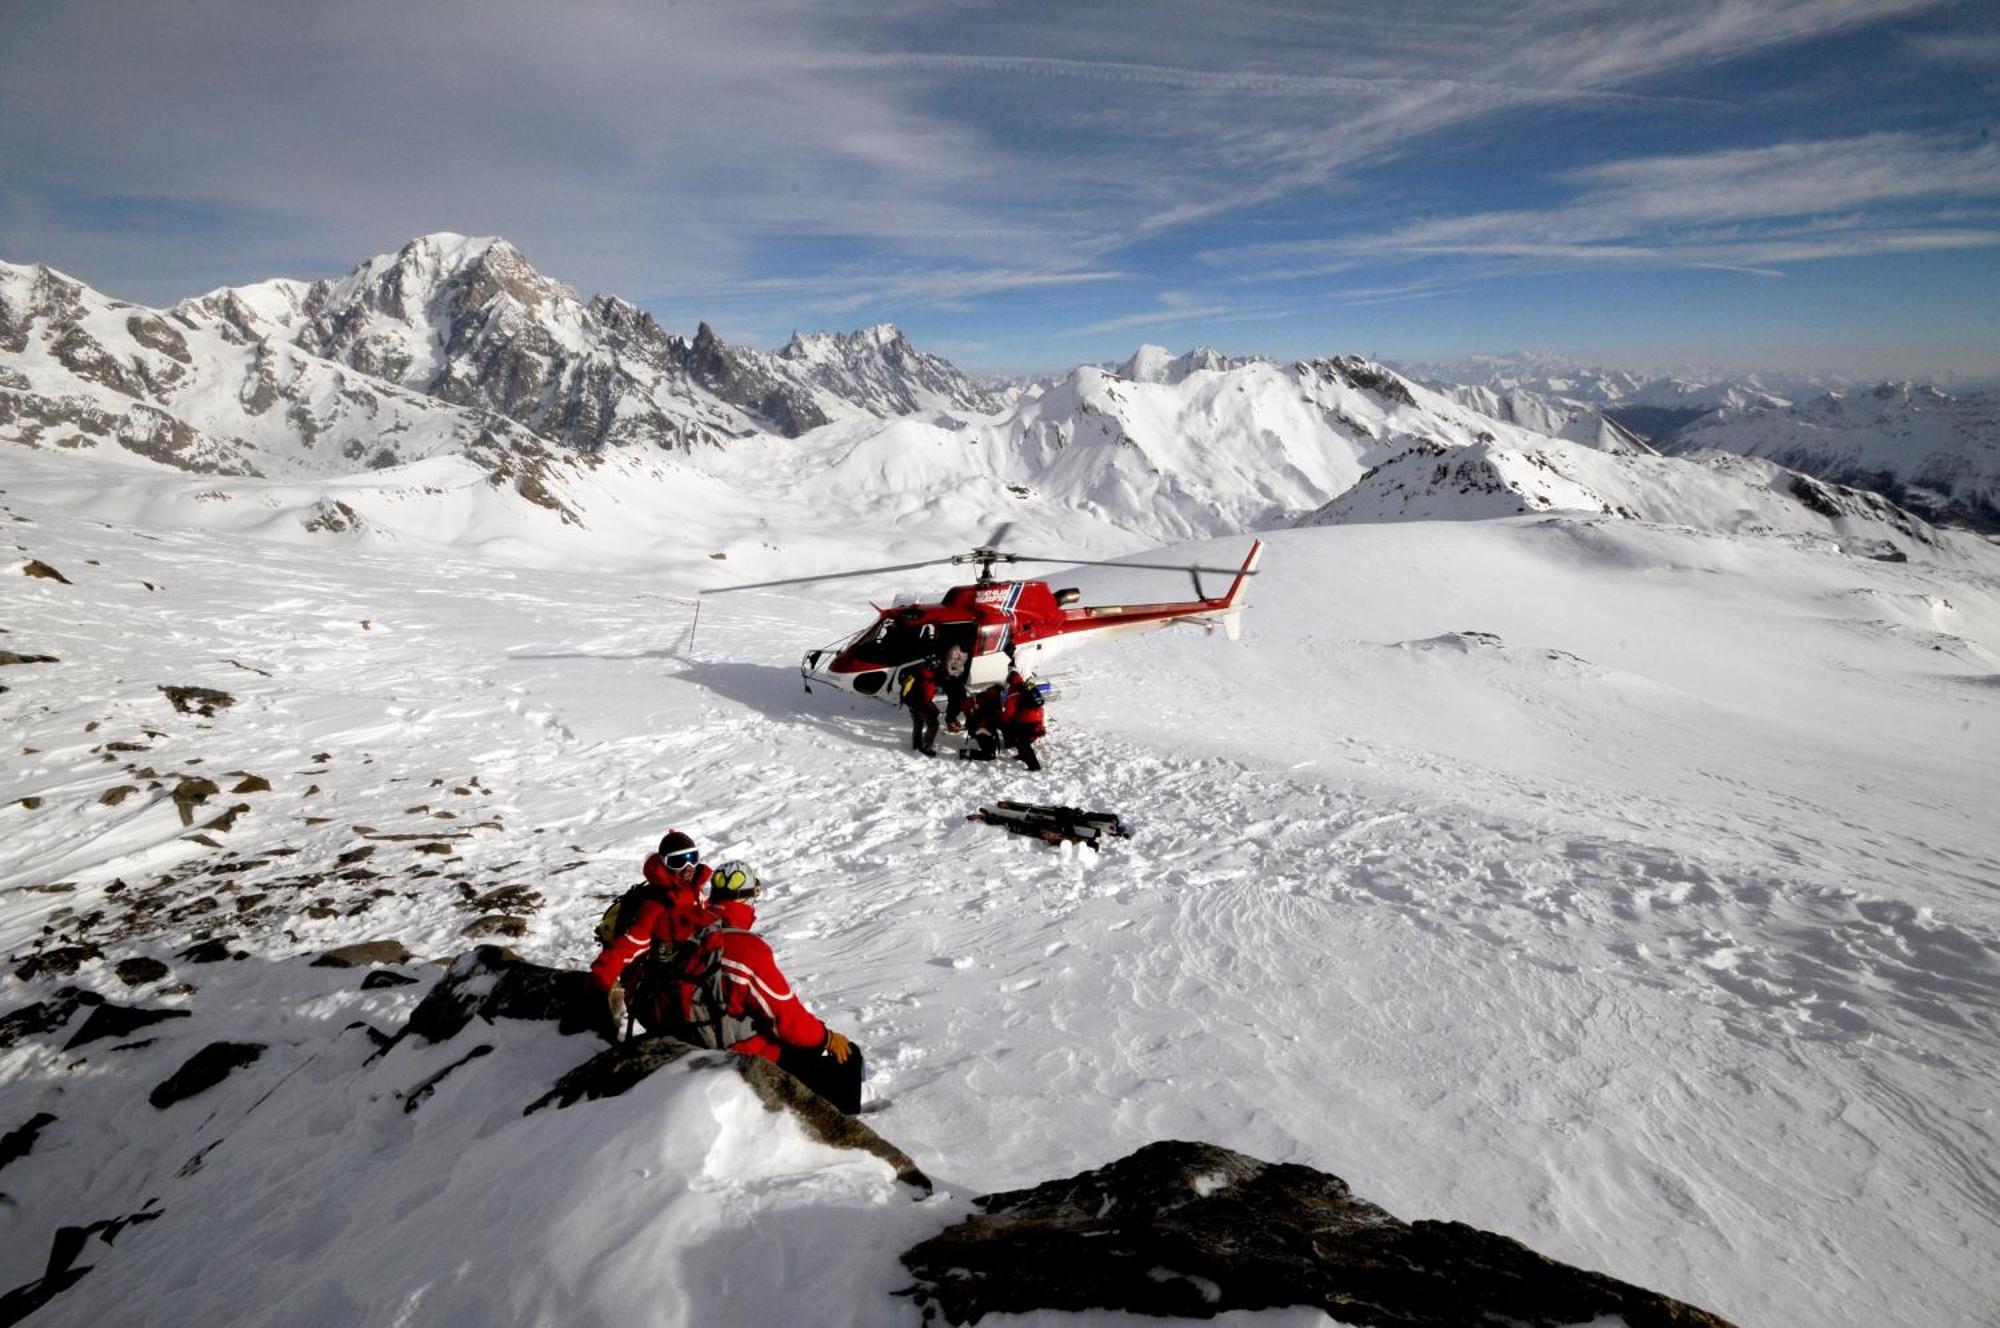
{"type": "Point", "coordinates": [1021, 723]}
{"type": "Point", "coordinates": [733, 995]}
{"type": "Point", "coordinates": [663, 912]}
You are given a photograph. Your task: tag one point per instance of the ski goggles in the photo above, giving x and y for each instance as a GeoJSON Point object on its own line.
{"type": "Point", "coordinates": [680, 859]}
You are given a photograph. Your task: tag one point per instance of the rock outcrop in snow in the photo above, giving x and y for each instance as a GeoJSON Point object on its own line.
{"type": "Point", "coordinates": [1189, 1230]}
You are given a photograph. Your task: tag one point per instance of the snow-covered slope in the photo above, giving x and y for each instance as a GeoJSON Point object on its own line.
{"type": "Point", "coordinates": [1622, 888]}
{"type": "Point", "coordinates": [1711, 491]}
{"type": "Point", "coordinates": [1936, 453]}
{"type": "Point", "coordinates": [1558, 417]}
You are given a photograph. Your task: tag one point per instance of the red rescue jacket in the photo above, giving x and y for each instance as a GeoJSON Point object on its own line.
{"type": "Point", "coordinates": [669, 913]}
{"type": "Point", "coordinates": [1022, 710]}
{"type": "Point", "coordinates": [756, 990]}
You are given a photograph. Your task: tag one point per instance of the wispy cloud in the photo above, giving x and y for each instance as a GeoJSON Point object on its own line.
{"type": "Point", "coordinates": [799, 160]}
{"type": "Point", "coordinates": [1177, 307]}
{"type": "Point", "coordinates": [1750, 210]}
{"type": "Point", "coordinates": [1977, 50]}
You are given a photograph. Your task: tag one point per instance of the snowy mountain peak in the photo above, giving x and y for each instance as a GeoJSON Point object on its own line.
{"type": "Point", "coordinates": [878, 370]}
{"type": "Point", "coordinates": [1157, 364]}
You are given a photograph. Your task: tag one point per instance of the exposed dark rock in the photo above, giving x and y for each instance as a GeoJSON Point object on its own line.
{"type": "Point", "coordinates": [190, 793]}
{"type": "Point", "coordinates": [9, 657]}
{"type": "Point", "coordinates": [116, 1021]}
{"type": "Point", "coordinates": [332, 515]}
{"type": "Point", "coordinates": [622, 1065]}
{"type": "Point", "coordinates": [497, 924]}
{"type": "Point", "coordinates": [139, 970]}
{"type": "Point", "coordinates": [614, 1071]}
{"type": "Point", "coordinates": [61, 1273]}
{"type": "Point", "coordinates": [363, 953]}
{"type": "Point", "coordinates": [44, 1016]}
{"type": "Point", "coordinates": [203, 1071]}
{"type": "Point", "coordinates": [1190, 1230]}
{"type": "Point", "coordinates": [1367, 376]}
{"type": "Point", "coordinates": [18, 1143]}
{"type": "Point", "coordinates": [415, 1097]}
{"type": "Point", "coordinates": [493, 982]}
{"type": "Point", "coordinates": [155, 333]}
{"type": "Point", "coordinates": [386, 977]}
{"type": "Point", "coordinates": [203, 701]}
{"type": "Point", "coordinates": [36, 567]}
{"type": "Point", "coordinates": [227, 821]}
{"type": "Point", "coordinates": [1814, 498]}
{"type": "Point", "coordinates": [507, 898]}
{"type": "Point", "coordinates": [61, 962]}
{"type": "Point", "coordinates": [210, 951]}
{"type": "Point", "coordinates": [111, 797]}
{"type": "Point", "coordinates": [253, 784]}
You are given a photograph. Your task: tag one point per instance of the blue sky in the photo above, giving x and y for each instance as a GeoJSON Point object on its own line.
{"type": "Point", "coordinates": [1776, 184]}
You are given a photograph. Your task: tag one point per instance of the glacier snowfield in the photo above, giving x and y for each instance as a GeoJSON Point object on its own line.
{"type": "Point", "coordinates": [1630, 890]}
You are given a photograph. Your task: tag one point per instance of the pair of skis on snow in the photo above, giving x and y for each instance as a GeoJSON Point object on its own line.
{"type": "Point", "coordinates": [1052, 824]}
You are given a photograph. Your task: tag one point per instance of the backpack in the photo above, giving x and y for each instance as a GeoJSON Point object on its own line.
{"type": "Point", "coordinates": [683, 992]}
{"type": "Point", "coordinates": [621, 914]}
{"type": "Point", "coordinates": [701, 982]}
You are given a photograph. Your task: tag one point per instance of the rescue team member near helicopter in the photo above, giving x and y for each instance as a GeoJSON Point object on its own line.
{"type": "Point", "coordinates": [920, 689]}
{"type": "Point", "coordinates": [984, 725]}
{"type": "Point", "coordinates": [667, 911]}
{"type": "Point", "coordinates": [1021, 725]}
{"type": "Point", "coordinates": [1007, 715]}
{"type": "Point", "coordinates": [731, 994]}
{"type": "Point", "coordinates": [952, 678]}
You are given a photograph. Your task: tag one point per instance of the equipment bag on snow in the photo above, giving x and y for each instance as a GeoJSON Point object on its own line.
{"type": "Point", "coordinates": [1052, 824]}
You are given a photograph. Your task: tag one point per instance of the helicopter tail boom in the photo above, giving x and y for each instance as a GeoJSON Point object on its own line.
{"type": "Point", "coordinates": [1210, 608]}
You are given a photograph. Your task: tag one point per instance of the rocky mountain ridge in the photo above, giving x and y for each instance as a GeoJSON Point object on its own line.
{"type": "Point", "coordinates": [448, 345]}
{"type": "Point", "coordinates": [458, 348]}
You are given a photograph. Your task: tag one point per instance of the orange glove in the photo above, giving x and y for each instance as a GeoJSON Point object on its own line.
{"type": "Point", "coordinates": [838, 1047]}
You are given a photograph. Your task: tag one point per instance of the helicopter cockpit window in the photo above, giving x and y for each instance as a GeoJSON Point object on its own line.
{"type": "Point", "coordinates": [895, 641]}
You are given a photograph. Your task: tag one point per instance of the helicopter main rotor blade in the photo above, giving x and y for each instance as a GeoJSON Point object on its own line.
{"type": "Point", "coordinates": [1151, 567]}
{"type": "Point", "coordinates": [824, 576]}
{"type": "Point", "coordinates": [999, 533]}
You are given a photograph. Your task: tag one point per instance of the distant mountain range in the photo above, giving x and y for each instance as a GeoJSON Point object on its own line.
{"type": "Point", "coordinates": [448, 345]}
{"type": "Point", "coordinates": [459, 349]}
{"type": "Point", "coordinates": [1935, 452]}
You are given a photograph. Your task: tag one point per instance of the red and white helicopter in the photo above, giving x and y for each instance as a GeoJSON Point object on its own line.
{"type": "Point", "coordinates": [1001, 624]}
